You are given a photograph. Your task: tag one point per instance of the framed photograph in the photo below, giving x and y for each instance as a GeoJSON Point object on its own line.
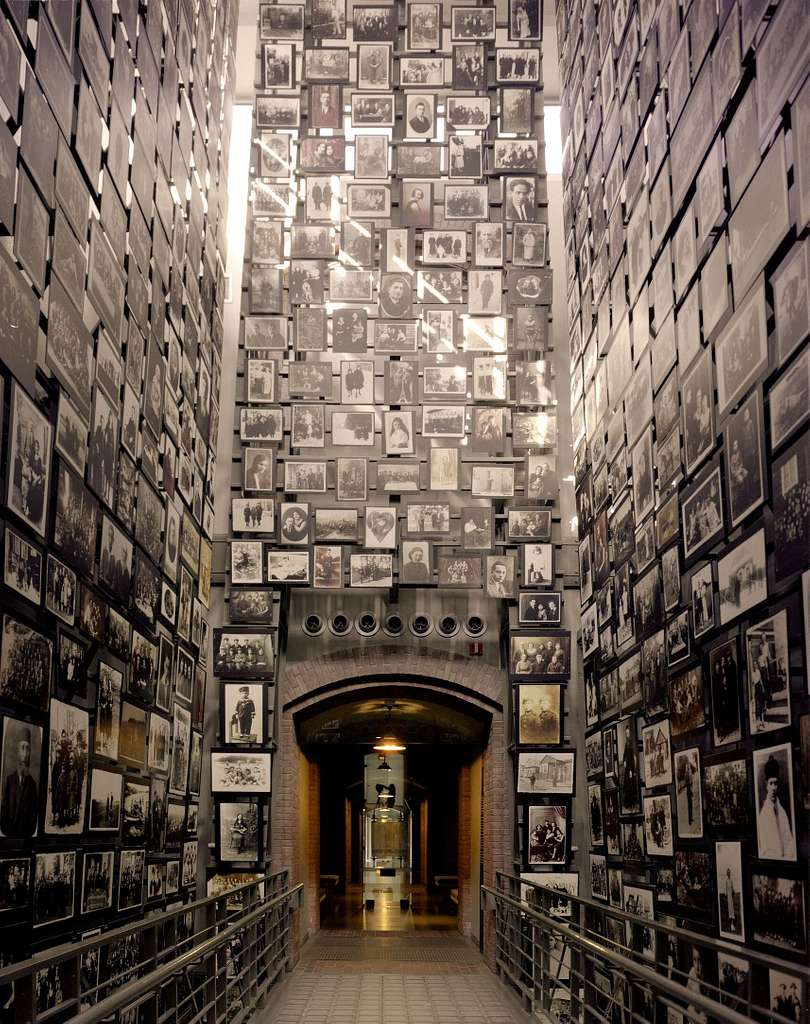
{"type": "Point", "coordinates": [71, 435]}
{"type": "Point", "coordinates": [415, 564]}
{"type": "Point", "coordinates": [775, 807]}
{"type": "Point", "coordinates": [791, 520]}
{"type": "Point", "coordinates": [768, 662]}
{"type": "Point", "coordinates": [472, 23]}
{"type": "Point", "coordinates": [501, 575]}
{"type": "Point", "coordinates": [327, 567]}
{"type": "Point", "coordinates": [771, 925]}
{"type": "Point", "coordinates": [241, 771]}
{"type": "Point", "coordinates": [239, 832]}
{"type": "Point", "coordinates": [466, 202]}
{"type": "Point", "coordinates": [627, 758]}
{"type": "Point", "coordinates": [516, 110]}
{"type": "Point", "coordinates": [253, 515]}
{"type": "Point", "coordinates": [22, 567]}
{"type": "Point", "coordinates": [477, 528]}
{"type": "Point", "coordinates": [29, 461]}
{"type": "Point", "coordinates": [277, 111]}
{"type": "Point", "coordinates": [741, 350]}
{"type": "Point", "coordinates": [26, 658]}
{"type": "Point", "coordinates": [420, 115]}
{"type": "Point", "coordinates": [546, 773]}
{"type": "Point", "coordinates": [658, 831]}
{"type": "Point", "coordinates": [459, 571]}
{"type": "Point", "coordinates": [547, 839]}
{"type": "Point", "coordinates": [305, 477]}
{"type": "Point", "coordinates": [518, 64]}
{"type": "Point", "coordinates": [698, 411]}
{"type": "Point", "coordinates": [540, 654]}
{"type": "Point", "coordinates": [130, 879]}
{"type": "Point", "coordinates": [492, 481]}
{"type": "Point", "coordinates": [245, 652]}
{"type": "Point", "coordinates": [688, 796]}
{"type": "Point", "coordinates": [444, 382]}
{"type": "Point", "coordinates": [259, 470]}
{"type": "Point", "coordinates": [525, 20]}
{"type": "Point", "coordinates": [657, 747]}
{"type": "Point", "coordinates": [702, 513]}
{"type": "Point", "coordinates": [370, 158]}
{"type": "Point", "coordinates": [371, 570]}
{"type": "Point", "coordinates": [745, 458]}
{"type": "Point", "coordinates": [380, 526]}
{"type": "Point", "coordinates": [288, 566]}
{"type": "Point", "coordinates": [727, 800]}
{"type": "Point", "coordinates": [54, 887]}
{"type": "Point", "coordinates": [789, 400]}
{"type": "Point", "coordinates": [742, 577]}
{"type": "Point", "coordinates": [351, 479]}
{"type": "Point", "coordinates": [443, 421]}
{"type": "Point", "coordinates": [246, 562]}
{"type": "Point", "coordinates": [329, 19]}
{"type": "Point", "coordinates": [424, 26]}
{"type": "Point", "coordinates": [416, 204]}
{"type": "Point", "coordinates": [538, 564]}
{"type": "Point", "coordinates": [374, 66]}
{"type": "Point", "coordinates": [250, 605]}
{"type": "Point", "coordinates": [373, 110]}
{"type": "Point", "coordinates": [278, 66]}
{"type": "Point", "coordinates": [281, 21]}
{"type": "Point", "coordinates": [791, 302]}
{"type": "Point", "coordinates": [421, 72]}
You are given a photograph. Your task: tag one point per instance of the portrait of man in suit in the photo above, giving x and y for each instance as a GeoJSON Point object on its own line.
{"type": "Point", "coordinates": [395, 296]}
{"type": "Point", "coordinates": [520, 202]}
{"type": "Point", "coordinates": [420, 116]}
{"type": "Point", "coordinates": [19, 806]}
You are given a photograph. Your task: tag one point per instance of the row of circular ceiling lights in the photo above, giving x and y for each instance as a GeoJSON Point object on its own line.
{"type": "Point", "coordinates": [367, 624]}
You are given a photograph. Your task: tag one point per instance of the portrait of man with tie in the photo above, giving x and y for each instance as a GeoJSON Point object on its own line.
{"type": "Point", "coordinates": [776, 838]}
{"type": "Point", "coordinates": [22, 756]}
{"type": "Point", "coordinates": [520, 204]}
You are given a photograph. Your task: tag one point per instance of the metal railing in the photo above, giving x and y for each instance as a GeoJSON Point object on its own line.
{"type": "Point", "coordinates": [213, 960]}
{"type": "Point", "coordinates": [577, 960]}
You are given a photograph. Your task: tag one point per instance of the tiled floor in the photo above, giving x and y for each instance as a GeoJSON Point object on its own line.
{"type": "Point", "coordinates": [424, 978]}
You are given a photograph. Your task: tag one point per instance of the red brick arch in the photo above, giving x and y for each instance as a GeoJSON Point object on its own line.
{"type": "Point", "coordinates": [296, 805]}
{"type": "Point", "coordinates": [391, 662]}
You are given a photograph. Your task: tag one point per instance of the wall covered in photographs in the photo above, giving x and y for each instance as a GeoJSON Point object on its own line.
{"type": "Point", "coordinates": [114, 127]}
{"type": "Point", "coordinates": [396, 420]}
{"type": "Point", "coordinates": [687, 200]}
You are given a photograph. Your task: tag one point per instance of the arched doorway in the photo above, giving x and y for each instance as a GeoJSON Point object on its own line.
{"type": "Point", "coordinates": [323, 705]}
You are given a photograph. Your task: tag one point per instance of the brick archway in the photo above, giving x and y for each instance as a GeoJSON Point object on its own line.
{"type": "Point", "coordinates": [295, 822]}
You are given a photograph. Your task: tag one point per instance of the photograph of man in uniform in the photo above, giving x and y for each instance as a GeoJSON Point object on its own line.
{"type": "Point", "coordinates": [244, 713]}
{"type": "Point", "coordinates": [19, 808]}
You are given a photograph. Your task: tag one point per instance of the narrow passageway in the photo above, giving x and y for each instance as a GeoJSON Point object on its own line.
{"type": "Point", "coordinates": [367, 977]}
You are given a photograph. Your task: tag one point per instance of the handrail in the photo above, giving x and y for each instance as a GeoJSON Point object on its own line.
{"type": "Point", "coordinates": [644, 974]}
{"type": "Point", "coordinates": [134, 990]}
{"type": "Point", "coordinates": [53, 954]}
{"type": "Point", "coordinates": [698, 938]}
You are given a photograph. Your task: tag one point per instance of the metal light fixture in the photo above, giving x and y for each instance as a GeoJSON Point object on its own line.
{"type": "Point", "coordinates": [389, 744]}
{"type": "Point", "coordinates": [384, 766]}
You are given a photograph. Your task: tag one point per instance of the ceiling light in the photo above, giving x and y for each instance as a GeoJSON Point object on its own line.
{"type": "Point", "coordinates": [384, 766]}
{"type": "Point", "coordinates": [389, 745]}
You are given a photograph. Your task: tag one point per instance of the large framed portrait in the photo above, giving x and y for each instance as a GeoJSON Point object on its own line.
{"type": "Point", "coordinates": [547, 834]}
{"type": "Point", "coordinates": [244, 652]}
{"type": "Point", "coordinates": [540, 654]}
{"type": "Point", "coordinates": [546, 773]}
{"type": "Point", "coordinates": [774, 803]}
{"type": "Point", "coordinates": [243, 771]}
{"type": "Point", "coordinates": [20, 770]}
{"type": "Point", "coordinates": [239, 835]}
